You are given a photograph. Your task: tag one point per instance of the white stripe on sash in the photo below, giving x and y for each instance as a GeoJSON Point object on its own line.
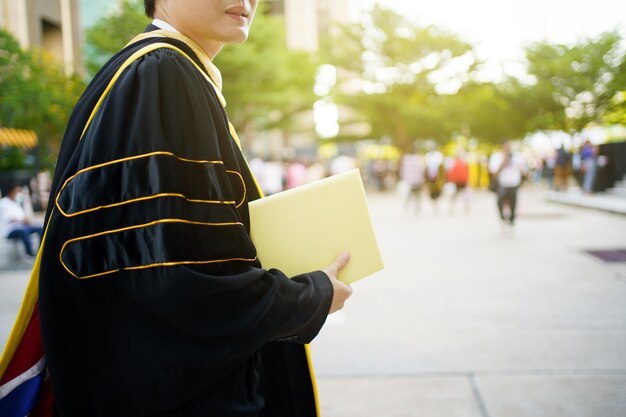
{"type": "Point", "coordinates": [34, 370]}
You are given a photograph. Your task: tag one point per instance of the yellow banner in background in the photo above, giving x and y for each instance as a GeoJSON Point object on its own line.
{"type": "Point", "coordinates": [17, 137]}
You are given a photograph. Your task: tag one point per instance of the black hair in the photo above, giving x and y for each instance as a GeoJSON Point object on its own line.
{"type": "Point", "coordinates": [149, 6]}
{"type": "Point", "coordinates": [9, 186]}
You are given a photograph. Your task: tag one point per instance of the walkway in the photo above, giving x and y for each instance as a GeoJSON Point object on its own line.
{"type": "Point", "coordinates": [472, 320]}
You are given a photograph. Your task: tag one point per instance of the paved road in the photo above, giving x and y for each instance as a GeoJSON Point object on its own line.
{"type": "Point", "coordinates": [470, 320]}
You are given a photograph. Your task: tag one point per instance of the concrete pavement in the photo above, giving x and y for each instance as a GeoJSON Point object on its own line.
{"type": "Point", "coordinates": [612, 203]}
{"type": "Point", "coordinates": [472, 320]}
{"type": "Point", "coordinates": [469, 319]}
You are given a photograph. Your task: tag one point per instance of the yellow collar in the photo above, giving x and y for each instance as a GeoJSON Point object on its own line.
{"type": "Point", "coordinates": [214, 73]}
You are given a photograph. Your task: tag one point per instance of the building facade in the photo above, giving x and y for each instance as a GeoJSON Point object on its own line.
{"type": "Point", "coordinates": [50, 24]}
{"type": "Point", "coordinates": [307, 20]}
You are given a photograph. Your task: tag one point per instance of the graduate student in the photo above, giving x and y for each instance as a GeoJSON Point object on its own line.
{"type": "Point", "coordinates": [152, 301]}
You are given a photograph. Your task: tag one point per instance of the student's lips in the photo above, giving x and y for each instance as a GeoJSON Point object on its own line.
{"type": "Point", "coordinates": [237, 17]}
{"type": "Point", "coordinates": [238, 13]}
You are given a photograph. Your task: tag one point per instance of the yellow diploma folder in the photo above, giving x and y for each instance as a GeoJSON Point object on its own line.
{"type": "Point", "coordinates": [304, 229]}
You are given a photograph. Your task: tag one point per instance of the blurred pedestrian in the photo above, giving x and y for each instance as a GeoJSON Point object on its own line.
{"type": "Point", "coordinates": [412, 176]}
{"type": "Point", "coordinates": [296, 174]}
{"type": "Point", "coordinates": [589, 156]}
{"type": "Point", "coordinates": [537, 170]}
{"type": "Point", "coordinates": [257, 166]}
{"type": "Point", "coordinates": [15, 222]}
{"type": "Point", "coordinates": [435, 175]}
{"type": "Point", "coordinates": [562, 168]}
{"type": "Point", "coordinates": [458, 174]}
{"type": "Point", "coordinates": [549, 164]}
{"type": "Point", "coordinates": [273, 177]}
{"type": "Point", "coordinates": [577, 170]}
{"type": "Point", "coordinates": [508, 169]}
{"type": "Point", "coordinates": [316, 171]}
{"type": "Point", "coordinates": [379, 173]}
{"type": "Point", "coordinates": [341, 164]}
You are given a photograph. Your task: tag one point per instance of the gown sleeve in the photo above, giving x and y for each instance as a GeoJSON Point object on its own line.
{"type": "Point", "coordinates": [158, 207]}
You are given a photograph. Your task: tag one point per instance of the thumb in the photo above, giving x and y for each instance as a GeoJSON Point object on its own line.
{"type": "Point", "coordinates": [340, 263]}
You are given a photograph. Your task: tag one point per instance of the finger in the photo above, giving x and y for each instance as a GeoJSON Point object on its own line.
{"type": "Point", "coordinates": [341, 261]}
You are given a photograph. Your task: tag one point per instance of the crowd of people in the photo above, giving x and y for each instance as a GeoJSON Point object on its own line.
{"type": "Point", "coordinates": [432, 173]}
{"type": "Point", "coordinates": [435, 174]}
{"type": "Point", "coordinates": [415, 174]}
{"type": "Point", "coordinates": [274, 176]}
{"type": "Point", "coordinates": [581, 165]}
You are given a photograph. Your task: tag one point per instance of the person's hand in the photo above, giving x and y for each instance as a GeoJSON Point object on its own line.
{"type": "Point", "coordinates": [341, 291]}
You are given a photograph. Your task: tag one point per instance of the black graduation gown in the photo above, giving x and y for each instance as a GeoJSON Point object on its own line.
{"type": "Point", "coordinates": [151, 295]}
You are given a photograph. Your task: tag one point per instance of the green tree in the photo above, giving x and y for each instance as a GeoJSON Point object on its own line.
{"type": "Point", "coordinates": [574, 84]}
{"type": "Point", "coordinates": [13, 80]}
{"type": "Point", "coordinates": [487, 111]}
{"type": "Point", "coordinates": [35, 94]}
{"type": "Point", "coordinates": [266, 84]}
{"type": "Point", "coordinates": [616, 112]}
{"type": "Point", "coordinates": [616, 109]}
{"type": "Point", "coordinates": [110, 33]}
{"type": "Point", "coordinates": [391, 72]}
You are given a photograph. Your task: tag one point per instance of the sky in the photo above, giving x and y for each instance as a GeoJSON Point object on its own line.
{"type": "Point", "coordinates": [92, 10]}
{"type": "Point", "coordinates": [497, 28]}
{"type": "Point", "coordinates": [500, 28]}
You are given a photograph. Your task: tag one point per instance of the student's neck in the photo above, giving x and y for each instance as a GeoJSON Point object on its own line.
{"type": "Point", "coordinates": [209, 46]}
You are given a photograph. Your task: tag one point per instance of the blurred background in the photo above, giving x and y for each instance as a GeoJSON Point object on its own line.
{"type": "Point", "coordinates": [319, 78]}
{"type": "Point", "coordinates": [492, 304]}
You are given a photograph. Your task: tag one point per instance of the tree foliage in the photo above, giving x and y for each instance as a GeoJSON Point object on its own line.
{"type": "Point", "coordinates": [616, 111]}
{"type": "Point", "coordinates": [405, 81]}
{"type": "Point", "coordinates": [35, 94]}
{"type": "Point", "coordinates": [390, 71]}
{"type": "Point", "coordinates": [410, 82]}
{"type": "Point", "coordinates": [483, 110]}
{"type": "Point", "coordinates": [266, 85]}
{"type": "Point", "coordinates": [574, 84]}
{"type": "Point", "coordinates": [111, 32]}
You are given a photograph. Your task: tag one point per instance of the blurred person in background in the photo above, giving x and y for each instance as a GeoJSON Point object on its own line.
{"type": "Point", "coordinates": [458, 174]}
{"type": "Point", "coordinates": [257, 166]}
{"type": "Point", "coordinates": [535, 170]}
{"type": "Point", "coordinates": [508, 169]}
{"type": "Point", "coordinates": [549, 163]}
{"type": "Point", "coordinates": [342, 163]}
{"type": "Point", "coordinates": [316, 171]}
{"type": "Point", "coordinates": [379, 173]}
{"type": "Point", "coordinates": [15, 220]}
{"type": "Point", "coordinates": [562, 169]}
{"type": "Point", "coordinates": [435, 176]}
{"type": "Point", "coordinates": [577, 170]}
{"type": "Point", "coordinates": [273, 177]}
{"type": "Point", "coordinates": [589, 156]}
{"type": "Point", "coordinates": [296, 174]}
{"type": "Point", "coordinates": [412, 176]}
